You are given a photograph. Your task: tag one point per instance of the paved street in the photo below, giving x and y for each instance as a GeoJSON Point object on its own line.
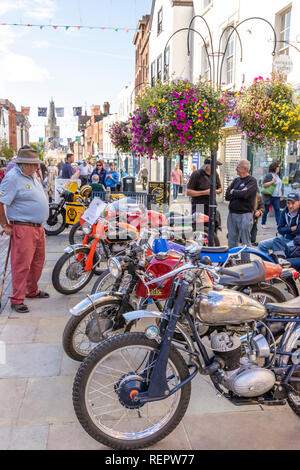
{"type": "Point", "coordinates": [36, 387]}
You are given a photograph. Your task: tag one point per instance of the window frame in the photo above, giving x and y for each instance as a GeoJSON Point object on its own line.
{"type": "Point", "coordinates": [166, 71]}
{"type": "Point", "coordinates": [159, 21]}
{"type": "Point", "coordinates": [159, 70]}
{"type": "Point", "coordinates": [284, 46]}
{"type": "Point", "coordinates": [152, 71]}
{"type": "Point", "coordinates": [229, 58]}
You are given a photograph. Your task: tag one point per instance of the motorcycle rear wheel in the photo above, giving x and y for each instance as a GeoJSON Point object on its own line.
{"type": "Point", "coordinates": [120, 365]}
{"type": "Point", "coordinates": [266, 293]}
{"type": "Point", "coordinates": [56, 222]}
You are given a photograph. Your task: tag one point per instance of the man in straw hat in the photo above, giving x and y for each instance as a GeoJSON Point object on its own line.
{"type": "Point", "coordinates": [26, 210]}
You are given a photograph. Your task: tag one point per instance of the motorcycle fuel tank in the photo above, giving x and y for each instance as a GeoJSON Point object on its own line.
{"type": "Point", "coordinates": [227, 307]}
{"type": "Point", "coordinates": [158, 267]}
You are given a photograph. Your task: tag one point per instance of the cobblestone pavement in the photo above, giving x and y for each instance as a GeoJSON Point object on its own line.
{"type": "Point", "coordinates": [36, 389]}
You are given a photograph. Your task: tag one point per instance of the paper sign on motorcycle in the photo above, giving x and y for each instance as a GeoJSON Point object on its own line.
{"type": "Point", "coordinates": [94, 211]}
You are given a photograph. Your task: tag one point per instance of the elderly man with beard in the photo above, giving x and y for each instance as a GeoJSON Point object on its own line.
{"type": "Point", "coordinates": [26, 210]}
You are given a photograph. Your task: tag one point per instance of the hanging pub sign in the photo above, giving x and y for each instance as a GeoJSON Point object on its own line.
{"type": "Point", "coordinates": [25, 110]}
{"type": "Point", "coordinates": [42, 112]}
{"type": "Point", "coordinates": [60, 112]}
{"type": "Point", "coordinates": [77, 111]}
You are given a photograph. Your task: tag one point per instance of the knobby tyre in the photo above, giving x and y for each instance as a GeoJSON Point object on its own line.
{"type": "Point", "coordinates": [112, 430]}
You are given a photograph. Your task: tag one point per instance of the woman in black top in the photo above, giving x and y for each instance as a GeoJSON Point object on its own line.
{"type": "Point", "coordinates": [100, 171]}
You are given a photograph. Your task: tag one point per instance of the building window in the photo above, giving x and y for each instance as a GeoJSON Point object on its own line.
{"type": "Point", "coordinates": [159, 21]}
{"type": "Point", "coordinates": [153, 73]}
{"type": "Point", "coordinates": [229, 55]}
{"type": "Point", "coordinates": [159, 67]}
{"type": "Point", "coordinates": [284, 36]}
{"type": "Point", "coordinates": [167, 63]}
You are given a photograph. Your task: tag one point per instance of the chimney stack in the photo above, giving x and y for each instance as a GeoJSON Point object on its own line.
{"type": "Point", "coordinates": [106, 107]}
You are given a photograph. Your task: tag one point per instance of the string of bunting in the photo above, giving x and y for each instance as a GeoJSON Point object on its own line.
{"type": "Point", "coordinates": [60, 112]}
{"type": "Point", "coordinates": [66, 27]}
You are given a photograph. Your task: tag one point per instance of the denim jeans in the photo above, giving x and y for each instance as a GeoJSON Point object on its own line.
{"type": "Point", "coordinates": [239, 228]}
{"type": "Point", "coordinates": [275, 202]}
{"type": "Point", "coordinates": [276, 244]}
{"type": "Point", "coordinates": [175, 190]}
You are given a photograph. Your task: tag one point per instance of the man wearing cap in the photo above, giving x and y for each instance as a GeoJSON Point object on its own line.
{"type": "Point", "coordinates": [288, 227]}
{"type": "Point", "coordinates": [26, 210]}
{"type": "Point", "coordinates": [198, 187]}
{"type": "Point", "coordinates": [67, 170]}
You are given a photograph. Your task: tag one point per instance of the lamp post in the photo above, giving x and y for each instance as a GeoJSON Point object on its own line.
{"type": "Point", "coordinates": [215, 77]}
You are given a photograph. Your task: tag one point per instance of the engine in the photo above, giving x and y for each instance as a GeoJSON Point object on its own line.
{"type": "Point", "coordinates": [245, 379]}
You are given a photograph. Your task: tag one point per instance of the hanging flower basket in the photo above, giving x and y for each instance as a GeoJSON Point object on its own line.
{"type": "Point", "coordinates": [177, 118]}
{"type": "Point", "coordinates": [118, 133]}
{"type": "Point", "coordinates": [268, 113]}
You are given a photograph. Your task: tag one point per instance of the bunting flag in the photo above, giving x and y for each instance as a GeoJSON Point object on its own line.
{"type": "Point", "coordinates": [25, 110]}
{"type": "Point", "coordinates": [95, 110]}
{"type": "Point", "coordinates": [42, 112]}
{"type": "Point", "coordinates": [41, 139]}
{"type": "Point", "coordinates": [50, 139]}
{"type": "Point", "coordinates": [78, 27]}
{"type": "Point", "coordinates": [77, 111]}
{"type": "Point", "coordinates": [69, 139]}
{"type": "Point", "coordinates": [61, 140]}
{"type": "Point", "coordinates": [77, 139]}
{"type": "Point", "coordinates": [60, 112]}
{"type": "Point", "coordinates": [66, 148]}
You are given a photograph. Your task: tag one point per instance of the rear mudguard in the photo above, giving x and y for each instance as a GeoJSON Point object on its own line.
{"type": "Point", "coordinates": [94, 300]}
{"type": "Point", "coordinates": [75, 248]}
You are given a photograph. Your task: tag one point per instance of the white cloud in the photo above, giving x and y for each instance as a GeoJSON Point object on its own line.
{"type": "Point", "coordinates": [41, 44]}
{"type": "Point", "coordinates": [17, 67]}
{"type": "Point", "coordinates": [34, 9]}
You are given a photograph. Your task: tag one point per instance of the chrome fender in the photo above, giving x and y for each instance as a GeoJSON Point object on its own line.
{"type": "Point", "coordinates": [95, 300]}
{"type": "Point", "coordinates": [139, 314]}
{"type": "Point", "coordinates": [75, 248]}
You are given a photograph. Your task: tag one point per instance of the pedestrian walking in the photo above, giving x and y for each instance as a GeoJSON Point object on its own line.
{"type": "Point", "coordinates": [26, 210]}
{"type": "Point", "coordinates": [241, 195]}
{"type": "Point", "coordinates": [67, 170]}
{"type": "Point", "coordinates": [198, 187]}
{"type": "Point", "coordinates": [83, 172]}
{"type": "Point", "coordinates": [176, 180]}
{"type": "Point", "coordinates": [272, 193]}
{"type": "Point", "coordinates": [143, 176]}
{"type": "Point", "coordinates": [52, 175]}
{"type": "Point", "coordinates": [112, 177]}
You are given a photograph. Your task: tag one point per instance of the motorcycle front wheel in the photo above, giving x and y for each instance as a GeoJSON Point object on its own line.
{"type": "Point", "coordinates": [81, 334]}
{"type": "Point", "coordinates": [105, 386]}
{"type": "Point", "coordinates": [68, 275]}
{"type": "Point", "coordinates": [76, 234]}
{"type": "Point", "coordinates": [56, 222]}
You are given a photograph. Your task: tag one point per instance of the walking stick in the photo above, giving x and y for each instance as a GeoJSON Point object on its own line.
{"type": "Point", "coordinates": [5, 268]}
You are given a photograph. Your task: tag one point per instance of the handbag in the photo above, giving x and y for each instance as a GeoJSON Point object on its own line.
{"type": "Point", "coordinates": [269, 190]}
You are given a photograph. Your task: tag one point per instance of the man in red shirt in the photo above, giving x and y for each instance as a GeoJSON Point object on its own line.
{"type": "Point", "coordinates": [176, 180]}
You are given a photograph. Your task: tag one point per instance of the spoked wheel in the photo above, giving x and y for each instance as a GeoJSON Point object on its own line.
{"type": "Point", "coordinates": [76, 234]}
{"type": "Point", "coordinates": [109, 379]}
{"type": "Point", "coordinates": [105, 282]}
{"type": "Point", "coordinates": [68, 275]}
{"type": "Point", "coordinates": [265, 293]}
{"type": "Point", "coordinates": [81, 334]}
{"type": "Point", "coordinates": [56, 221]}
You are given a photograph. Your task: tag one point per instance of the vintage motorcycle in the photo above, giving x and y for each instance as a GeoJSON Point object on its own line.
{"type": "Point", "coordinates": [73, 202]}
{"type": "Point", "coordinates": [146, 380]}
{"type": "Point", "coordinates": [122, 288]}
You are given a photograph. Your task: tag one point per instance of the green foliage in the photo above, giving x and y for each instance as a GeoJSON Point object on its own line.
{"type": "Point", "coordinates": [35, 146]}
{"type": "Point", "coordinates": [6, 151]}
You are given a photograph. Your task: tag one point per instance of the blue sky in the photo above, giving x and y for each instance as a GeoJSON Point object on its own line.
{"type": "Point", "coordinates": [76, 67]}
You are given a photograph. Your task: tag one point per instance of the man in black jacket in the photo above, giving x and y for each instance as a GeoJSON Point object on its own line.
{"type": "Point", "coordinates": [241, 195]}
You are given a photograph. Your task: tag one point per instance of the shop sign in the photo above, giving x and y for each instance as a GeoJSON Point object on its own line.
{"type": "Point", "coordinates": [283, 63]}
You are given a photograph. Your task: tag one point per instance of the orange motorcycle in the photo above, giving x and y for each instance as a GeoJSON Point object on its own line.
{"type": "Point", "coordinates": [103, 239]}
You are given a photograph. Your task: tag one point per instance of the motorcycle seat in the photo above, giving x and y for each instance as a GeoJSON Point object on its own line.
{"type": "Point", "coordinates": [252, 273]}
{"type": "Point", "coordinates": [291, 307]}
{"type": "Point", "coordinates": [214, 249]}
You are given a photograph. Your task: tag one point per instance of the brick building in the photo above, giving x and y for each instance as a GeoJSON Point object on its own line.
{"type": "Point", "coordinates": [12, 117]}
{"type": "Point", "coordinates": [141, 42]}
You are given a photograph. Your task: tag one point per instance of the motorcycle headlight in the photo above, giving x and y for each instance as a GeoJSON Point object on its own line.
{"type": "Point", "coordinates": [87, 228]}
{"type": "Point", "coordinates": [114, 267]}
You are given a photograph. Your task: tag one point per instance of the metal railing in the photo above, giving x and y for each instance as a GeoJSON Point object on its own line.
{"type": "Point", "coordinates": [141, 198]}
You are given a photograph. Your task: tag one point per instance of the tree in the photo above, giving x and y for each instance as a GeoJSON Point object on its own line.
{"type": "Point", "coordinates": [6, 151]}
{"type": "Point", "coordinates": [39, 146]}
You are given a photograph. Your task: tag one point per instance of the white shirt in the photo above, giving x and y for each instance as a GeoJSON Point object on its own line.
{"type": "Point", "coordinates": [277, 190]}
{"type": "Point", "coordinates": [83, 170]}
